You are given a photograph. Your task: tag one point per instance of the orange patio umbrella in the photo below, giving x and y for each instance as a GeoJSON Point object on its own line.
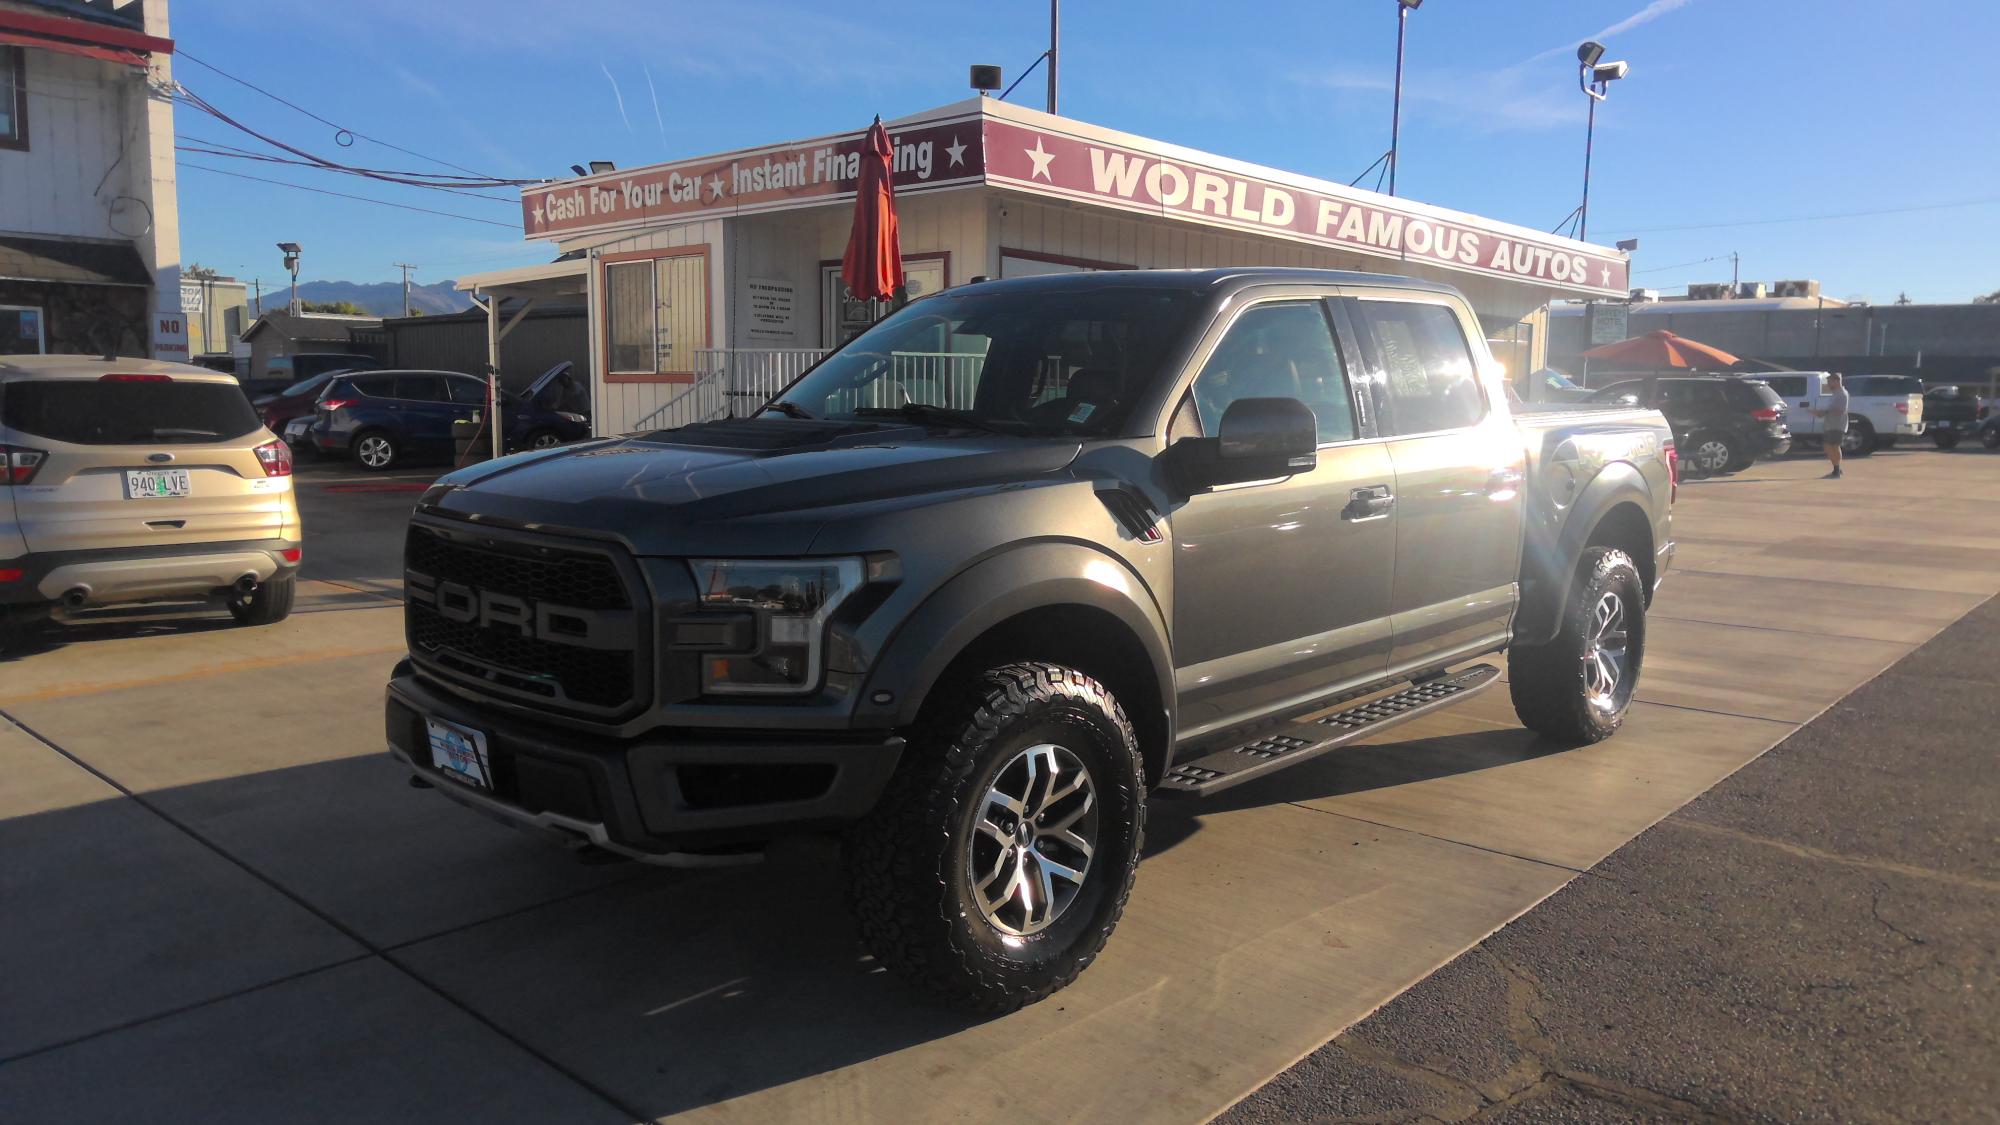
{"type": "Point", "coordinates": [1662, 348]}
{"type": "Point", "coordinates": [873, 264]}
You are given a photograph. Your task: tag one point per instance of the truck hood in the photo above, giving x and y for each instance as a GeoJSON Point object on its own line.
{"type": "Point", "coordinates": [736, 487]}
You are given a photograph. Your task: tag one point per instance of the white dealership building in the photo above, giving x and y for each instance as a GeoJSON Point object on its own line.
{"type": "Point", "coordinates": [708, 279]}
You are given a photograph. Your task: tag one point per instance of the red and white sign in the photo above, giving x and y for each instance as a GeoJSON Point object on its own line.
{"type": "Point", "coordinates": [766, 179]}
{"type": "Point", "coordinates": [1053, 163]}
{"type": "Point", "coordinates": [993, 143]}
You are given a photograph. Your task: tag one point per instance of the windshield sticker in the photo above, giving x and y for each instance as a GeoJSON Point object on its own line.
{"type": "Point", "coordinates": [1082, 412]}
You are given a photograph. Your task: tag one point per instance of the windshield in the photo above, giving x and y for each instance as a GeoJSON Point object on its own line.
{"type": "Point", "coordinates": [89, 412]}
{"type": "Point", "coordinates": [1069, 361]}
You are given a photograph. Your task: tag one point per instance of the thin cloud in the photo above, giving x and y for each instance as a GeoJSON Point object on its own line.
{"type": "Point", "coordinates": [1497, 101]}
{"type": "Point", "coordinates": [616, 94]}
{"type": "Point", "coordinates": [1645, 15]}
{"type": "Point", "coordinates": [650, 89]}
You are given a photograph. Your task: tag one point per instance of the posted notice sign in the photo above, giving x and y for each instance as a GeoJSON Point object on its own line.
{"type": "Point", "coordinates": [773, 311]}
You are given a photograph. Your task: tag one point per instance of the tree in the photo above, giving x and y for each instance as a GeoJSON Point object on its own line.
{"type": "Point", "coordinates": [1992, 298]}
{"type": "Point", "coordinates": [340, 308]}
{"type": "Point", "coordinates": [195, 271]}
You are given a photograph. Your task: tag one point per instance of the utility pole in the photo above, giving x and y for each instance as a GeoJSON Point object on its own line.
{"type": "Point", "coordinates": [1735, 272]}
{"type": "Point", "coordinates": [406, 268]}
{"type": "Point", "coordinates": [258, 282]}
{"type": "Point", "coordinates": [1396, 107]}
{"type": "Point", "coordinates": [1055, 39]}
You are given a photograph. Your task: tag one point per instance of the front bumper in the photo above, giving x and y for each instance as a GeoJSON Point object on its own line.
{"type": "Point", "coordinates": [125, 574]}
{"type": "Point", "coordinates": [665, 797]}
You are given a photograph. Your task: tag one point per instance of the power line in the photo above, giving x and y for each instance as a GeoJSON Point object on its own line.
{"type": "Point", "coordinates": [237, 154]}
{"type": "Point", "coordinates": [1817, 218]}
{"type": "Point", "coordinates": [335, 126]}
{"type": "Point", "coordinates": [344, 195]}
{"type": "Point", "coordinates": [1681, 265]}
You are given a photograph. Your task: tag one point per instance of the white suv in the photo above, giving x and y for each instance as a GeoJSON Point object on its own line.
{"type": "Point", "coordinates": [130, 479]}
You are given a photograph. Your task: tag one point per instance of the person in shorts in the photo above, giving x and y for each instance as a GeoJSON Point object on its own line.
{"type": "Point", "coordinates": [1834, 422]}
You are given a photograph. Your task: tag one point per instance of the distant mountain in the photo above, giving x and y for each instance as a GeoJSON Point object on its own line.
{"type": "Point", "coordinates": [381, 298]}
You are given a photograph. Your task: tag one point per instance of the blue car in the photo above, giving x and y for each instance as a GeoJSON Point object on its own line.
{"type": "Point", "coordinates": [386, 419]}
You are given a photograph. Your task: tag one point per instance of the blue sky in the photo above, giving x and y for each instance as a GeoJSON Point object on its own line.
{"type": "Point", "coordinates": [1739, 117]}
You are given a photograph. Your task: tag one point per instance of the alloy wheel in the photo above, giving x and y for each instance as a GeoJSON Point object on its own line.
{"type": "Point", "coordinates": [1605, 657]}
{"type": "Point", "coordinates": [545, 441]}
{"type": "Point", "coordinates": [1712, 455]}
{"type": "Point", "coordinates": [375, 452]}
{"type": "Point", "coordinates": [1033, 838]}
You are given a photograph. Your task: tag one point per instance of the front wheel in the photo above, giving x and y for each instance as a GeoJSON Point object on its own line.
{"type": "Point", "coordinates": [1945, 439]}
{"type": "Point", "coordinates": [543, 439]}
{"type": "Point", "coordinates": [1576, 688]}
{"type": "Point", "coordinates": [998, 860]}
{"type": "Point", "coordinates": [1990, 437]}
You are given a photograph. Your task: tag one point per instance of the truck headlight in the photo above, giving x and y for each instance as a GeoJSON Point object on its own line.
{"type": "Point", "coordinates": [789, 602]}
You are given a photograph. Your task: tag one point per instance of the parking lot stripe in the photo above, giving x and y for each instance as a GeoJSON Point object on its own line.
{"type": "Point", "coordinates": [72, 691]}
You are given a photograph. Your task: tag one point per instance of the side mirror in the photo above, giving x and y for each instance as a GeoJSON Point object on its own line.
{"type": "Point", "coordinates": [1257, 439]}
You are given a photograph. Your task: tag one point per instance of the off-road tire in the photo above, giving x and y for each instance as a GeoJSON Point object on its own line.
{"type": "Point", "coordinates": [1863, 443]}
{"type": "Point", "coordinates": [1547, 681]}
{"type": "Point", "coordinates": [1945, 439]}
{"type": "Point", "coordinates": [270, 604]}
{"type": "Point", "coordinates": [907, 862]}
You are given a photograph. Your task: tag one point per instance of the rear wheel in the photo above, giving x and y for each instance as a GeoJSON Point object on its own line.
{"type": "Point", "coordinates": [1945, 439]}
{"type": "Point", "coordinates": [1859, 440]}
{"type": "Point", "coordinates": [1714, 454]}
{"type": "Point", "coordinates": [998, 860]}
{"type": "Point", "coordinates": [1576, 688]}
{"type": "Point", "coordinates": [269, 604]}
{"type": "Point", "coordinates": [1990, 437]}
{"type": "Point", "coordinates": [377, 451]}
{"type": "Point", "coordinates": [18, 626]}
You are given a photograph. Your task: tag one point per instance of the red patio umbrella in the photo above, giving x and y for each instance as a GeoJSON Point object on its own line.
{"type": "Point", "coordinates": [1662, 348]}
{"type": "Point", "coordinates": [873, 264]}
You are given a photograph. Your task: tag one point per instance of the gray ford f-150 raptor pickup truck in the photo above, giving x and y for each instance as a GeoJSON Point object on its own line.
{"type": "Point", "coordinates": [1022, 556]}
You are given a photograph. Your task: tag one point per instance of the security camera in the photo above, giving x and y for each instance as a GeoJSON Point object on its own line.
{"type": "Point", "coordinates": [1609, 72]}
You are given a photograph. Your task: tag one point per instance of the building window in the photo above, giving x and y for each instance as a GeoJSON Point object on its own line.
{"type": "Point", "coordinates": [13, 98]}
{"type": "Point", "coordinates": [655, 314]}
{"type": "Point", "coordinates": [21, 330]}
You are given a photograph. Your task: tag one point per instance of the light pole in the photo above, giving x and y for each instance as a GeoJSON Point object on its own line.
{"type": "Point", "coordinates": [291, 250]}
{"type": "Point", "coordinates": [1387, 161]}
{"type": "Point", "coordinates": [1594, 78]}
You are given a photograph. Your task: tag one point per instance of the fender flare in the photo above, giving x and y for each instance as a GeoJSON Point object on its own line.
{"type": "Point", "coordinates": [996, 589]}
{"type": "Point", "coordinates": [1548, 560]}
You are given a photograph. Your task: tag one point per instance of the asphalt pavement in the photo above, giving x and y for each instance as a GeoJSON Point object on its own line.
{"type": "Point", "coordinates": [1815, 939]}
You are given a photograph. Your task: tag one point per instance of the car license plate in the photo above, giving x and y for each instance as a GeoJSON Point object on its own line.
{"type": "Point", "coordinates": [459, 753]}
{"type": "Point", "coordinates": [156, 484]}
{"type": "Point", "coordinates": [296, 428]}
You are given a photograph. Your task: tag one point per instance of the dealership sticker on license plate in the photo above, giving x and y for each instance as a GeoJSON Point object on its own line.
{"type": "Point", "coordinates": [459, 752]}
{"type": "Point", "coordinates": [156, 484]}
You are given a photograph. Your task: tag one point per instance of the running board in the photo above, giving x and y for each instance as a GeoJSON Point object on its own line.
{"type": "Point", "coordinates": [1296, 742]}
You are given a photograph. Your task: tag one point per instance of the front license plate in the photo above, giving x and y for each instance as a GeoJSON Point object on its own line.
{"type": "Point", "coordinates": [156, 484]}
{"type": "Point", "coordinates": [460, 753]}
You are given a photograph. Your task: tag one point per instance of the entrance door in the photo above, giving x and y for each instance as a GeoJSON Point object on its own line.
{"type": "Point", "coordinates": [1459, 473]}
{"type": "Point", "coordinates": [842, 318]}
{"type": "Point", "coordinates": [1281, 587]}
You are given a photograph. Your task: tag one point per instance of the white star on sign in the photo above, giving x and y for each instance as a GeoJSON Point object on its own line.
{"type": "Point", "coordinates": [538, 214]}
{"type": "Point", "coordinates": [715, 187]}
{"type": "Point", "coordinates": [1607, 277]}
{"type": "Point", "coordinates": [955, 150]}
{"type": "Point", "coordinates": [1041, 160]}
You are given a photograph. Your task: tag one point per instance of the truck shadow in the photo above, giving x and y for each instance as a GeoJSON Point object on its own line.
{"type": "Point", "coordinates": [1350, 769]}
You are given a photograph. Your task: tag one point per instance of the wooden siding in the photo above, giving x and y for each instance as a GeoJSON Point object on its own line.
{"type": "Point", "coordinates": [83, 115]}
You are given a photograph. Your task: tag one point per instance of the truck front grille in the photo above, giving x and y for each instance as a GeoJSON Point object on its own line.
{"type": "Point", "coordinates": [526, 620]}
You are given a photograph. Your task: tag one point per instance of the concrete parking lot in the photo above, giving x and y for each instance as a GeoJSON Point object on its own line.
{"type": "Point", "coordinates": [224, 903]}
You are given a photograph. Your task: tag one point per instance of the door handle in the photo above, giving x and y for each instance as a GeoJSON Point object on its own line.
{"type": "Point", "coordinates": [1502, 484]}
{"type": "Point", "coordinates": [1369, 503]}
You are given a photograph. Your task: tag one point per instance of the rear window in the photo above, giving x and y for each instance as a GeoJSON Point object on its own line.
{"type": "Point", "coordinates": [1755, 394]}
{"type": "Point", "coordinates": [1885, 385]}
{"type": "Point", "coordinates": [1790, 386]}
{"type": "Point", "coordinates": [83, 412]}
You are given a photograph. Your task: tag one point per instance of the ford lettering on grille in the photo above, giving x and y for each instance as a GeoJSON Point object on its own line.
{"type": "Point", "coordinates": [543, 621]}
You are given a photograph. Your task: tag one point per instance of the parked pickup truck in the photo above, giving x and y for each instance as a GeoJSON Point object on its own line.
{"type": "Point", "coordinates": [1880, 408]}
{"type": "Point", "coordinates": [1952, 413]}
{"type": "Point", "coordinates": [1008, 564]}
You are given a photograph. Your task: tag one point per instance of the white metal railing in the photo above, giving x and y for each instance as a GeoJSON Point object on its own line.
{"type": "Point", "coordinates": [731, 381]}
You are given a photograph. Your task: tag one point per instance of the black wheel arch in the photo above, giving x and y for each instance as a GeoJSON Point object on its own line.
{"type": "Point", "coordinates": [1058, 603]}
{"type": "Point", "coordinates": [1611, 511]}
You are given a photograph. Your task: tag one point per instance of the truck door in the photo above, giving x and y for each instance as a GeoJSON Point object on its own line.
{"type": "Point", "coordinates": [1458, 462]}
{"type": "Point", "coordinates": [1281, 587]}
{"type": "Point", "coordinates": [1799, 393]}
